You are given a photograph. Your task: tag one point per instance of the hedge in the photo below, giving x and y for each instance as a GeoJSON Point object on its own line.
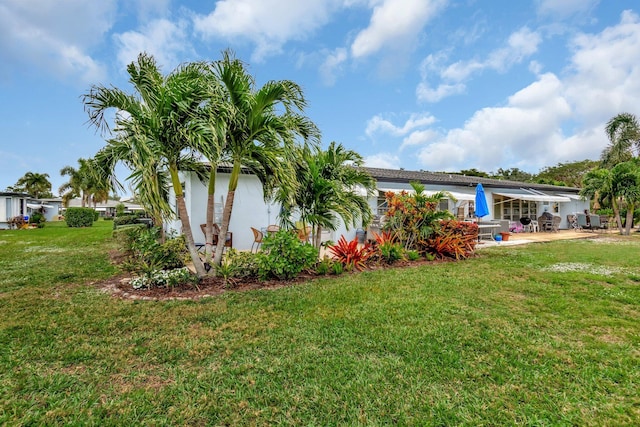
{"type": "Point", "coordinates": [80, 217]}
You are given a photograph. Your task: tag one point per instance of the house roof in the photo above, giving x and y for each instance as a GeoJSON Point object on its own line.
{"type": "Point", "coordinates": [405, 176]}
{"type": "Point", "coordinates": [12, 194]}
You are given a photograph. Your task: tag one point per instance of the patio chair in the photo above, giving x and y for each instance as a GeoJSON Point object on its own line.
{"type": "Point", "coordinates": [257, 239]}
{"type": "Point", "coordinates": [555, 223]}
{"type": "Point", "coordinates": [304, 233]}
{"type": "Point", "coordinates": [582, 222]}
{"type": "Point", "coordinates": [595, 222]}
{"type": "Point", "coordinates": [216, 233]}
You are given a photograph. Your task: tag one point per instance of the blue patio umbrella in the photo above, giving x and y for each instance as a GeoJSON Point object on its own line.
{"type": "Point", "coordinates": [481, 202]}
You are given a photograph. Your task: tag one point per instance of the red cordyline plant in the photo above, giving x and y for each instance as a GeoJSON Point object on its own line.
{"type": "Point", "coordinates": [350, 254]}
{"type": "Point", "coordinates": [453, 239]}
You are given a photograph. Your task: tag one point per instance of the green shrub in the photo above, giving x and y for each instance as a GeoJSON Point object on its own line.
{"type": "Point", "coordinates": [245, 264]}
{"type": "Point", "coordinates": [79, 217]}
{"type": "Point", "coordinates": [413, 255]}
{"type": "Point", "coordinates": [126, 219]}
{"type": "Point", "coordinates": [38, 219]}
{"type": "Point", "coordinates": [324, 266]}
{"type": "Point", "coordinates": [145, 254]}
{"type": "Point", "coordinates": [338, 268]}
{"type": "Point", "coordinates": [390, 252]}
{"type": "Point", "coordinates": [284, 256]}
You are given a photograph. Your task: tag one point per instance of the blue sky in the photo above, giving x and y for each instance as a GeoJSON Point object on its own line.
{"type": "Point", "coordinates": [439, 85]}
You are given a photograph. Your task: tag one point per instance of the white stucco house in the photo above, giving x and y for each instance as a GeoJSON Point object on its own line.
{"type": "Point", "coordinates": [20, 204]}
{"type": "Point", "coordinates": [507, 200]}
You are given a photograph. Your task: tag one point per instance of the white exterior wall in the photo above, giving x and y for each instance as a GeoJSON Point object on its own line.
{"type": "Point", "coordinates": [249, 208]}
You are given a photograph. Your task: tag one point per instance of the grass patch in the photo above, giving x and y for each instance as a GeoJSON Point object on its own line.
{"type": "Point", "coordinates": [543, 334]}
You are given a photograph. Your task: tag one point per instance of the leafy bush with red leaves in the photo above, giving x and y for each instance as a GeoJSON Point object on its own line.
{"type": "Point", "coordinates": [350, 254]}
{"type": "Point", "coordinates": [453, 239]}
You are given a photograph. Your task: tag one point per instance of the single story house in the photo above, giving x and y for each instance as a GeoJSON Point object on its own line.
{"type": "Point", "coordinates": [106, 209]}
{"type": "Point", "coordinates": [19, 204]}
{"type": "Point", "coordinates": [507, 200]}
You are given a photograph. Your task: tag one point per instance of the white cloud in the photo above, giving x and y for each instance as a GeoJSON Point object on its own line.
{"type": "Point", "coordinates": [419, 137]}
{"type": "Point", "coordinates": [525, 131]}
{"type": "Point", "coordinates": [520, 45]}
{"type": "Point", "coordinates": [378, 124]}
{"type": "Point", "coordinates": [560, 9]}
{"type": "Point", "coordinates": [394, 23]}
{"type": "Point", "coordinates": [605, 70]}
{"type": "Point", "coordinates": [163, 39]}
{"type": "Point", "coordinates": [54, 36]}
{"type": "Point", "coordinates": [382, 160]}
{"type": "Point", "coordinates": [427, 94]}
{"type": "Point", "coordinates": [332, 64]}
{"type": "Point", "coordinates": [269, 24]}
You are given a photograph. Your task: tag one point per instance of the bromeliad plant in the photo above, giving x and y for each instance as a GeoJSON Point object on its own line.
{"type": "Point", "coordinates": [413, 218]}
{"type": "Point", "coordinates": [350, 254]}
{"type": "Point", "coordinates": [387, 248]}
{"type": "Point", "coordinates": [453, 239]}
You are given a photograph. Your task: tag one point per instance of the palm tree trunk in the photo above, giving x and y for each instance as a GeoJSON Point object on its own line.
{"type": "Point", "coordinates": [226, 213]}
{"type": "Point", "coordinates": [210, 209]}
{"type": "Point", "coordinates": [616, 212]}
{"type": "Point", "coordinates": [184, 219]}
{"type": "Point", "coordinates": [317, 237]}
{"type": "Point", "coordinates": [629, 220]}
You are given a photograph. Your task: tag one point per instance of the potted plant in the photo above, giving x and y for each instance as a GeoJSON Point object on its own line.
{"type": "Point", "coordinates": [505, 235]}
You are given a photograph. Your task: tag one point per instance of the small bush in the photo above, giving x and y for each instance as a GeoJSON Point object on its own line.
{"type": "Point", "coordinates": [38, 219]}
{"type": "Point", "coordinates": [413, 255]}
{"type": "Point", "coordinates": [245, 264]}
{"type": "Point", "coordinates": [338, 268]}
{"type": "Point", "coordinates": [146, 254]}
{"type": "Point", "coordinates": [125, 220]}
{"type": "Point", "coordinates": [80, 217]}
{"type": "Point", "coordinates": [284, 256]}
{"type": "Point", "coordinates": [324, 266]}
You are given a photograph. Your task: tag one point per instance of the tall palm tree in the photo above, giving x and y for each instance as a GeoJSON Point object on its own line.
{"type": "Point", "coordinates": [623, 132]}
{"type": "Point", "coordinates": [79, 184]}
{"type": "Point", "coordinates": [163, 121]}
{"type": "Point", "coordinates": [261, 128]}
{"type": "Point", "coordinates": [34, 183]}
{"type": "Point", "coordinates": [330, 186]}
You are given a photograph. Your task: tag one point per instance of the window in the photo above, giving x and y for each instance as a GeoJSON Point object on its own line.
{"type": "Point", "coordinates": [382, 206]}
{"type": "Point", "coordinates": [514, 209]}
{"type": "Point", "coordinates": [9, 210]}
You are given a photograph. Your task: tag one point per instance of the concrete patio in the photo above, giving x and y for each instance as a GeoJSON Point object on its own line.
{"type": "Point", "coordinates": [543, 236]}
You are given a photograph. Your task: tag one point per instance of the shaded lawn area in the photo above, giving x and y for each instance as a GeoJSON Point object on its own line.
{"type": "Point", "coordinates": [543, 334]}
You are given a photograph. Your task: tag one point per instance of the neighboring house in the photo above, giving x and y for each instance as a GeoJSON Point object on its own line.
{"type": "Point", "coordinates": [107, 209]}
{"type": "Point", "coordinates": [51, 208]}
{"type": "Point", "coordinates": [508, 200]}
{"type": "Point", "coordinates": [18, 204]}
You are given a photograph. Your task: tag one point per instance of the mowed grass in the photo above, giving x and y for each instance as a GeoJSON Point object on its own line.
{"type": "Point", "coordinates": [543, 334]}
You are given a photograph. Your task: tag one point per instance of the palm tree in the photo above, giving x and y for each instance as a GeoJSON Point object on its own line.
{"type": "Point", "coordinates": [330, 185]}
{"type": "Point", "coordinates": [36, 184]}
{"type": "Point", "coordinates": [623, 132]}
{"type": "Point", "coordinates": [260, 131]}
{"type": "Point", "coordinates": [79, 183]}
{"type": "Point", "coordinates": [162, 123]}
{"type": "Point", "coordinates": [620, 186]}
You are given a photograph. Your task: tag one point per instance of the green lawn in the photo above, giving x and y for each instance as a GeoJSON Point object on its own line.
{"type": "Point", "coordinates": [543, 334]}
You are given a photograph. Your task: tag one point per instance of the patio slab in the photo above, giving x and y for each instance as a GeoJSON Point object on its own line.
{"type": "Point", "coordinates": [543, 236]}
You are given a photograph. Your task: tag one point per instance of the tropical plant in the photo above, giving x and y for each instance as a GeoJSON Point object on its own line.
{"type": "Point", "coordinates": [331, 185]}
{"type": "Point", "coordinates": [84, 182]}
{"type": "Point", "coordinates": [284, 256]}
{"type": "Point", "coordinates": [387, 248]}
{"type": "Point", "coordinates": [350, 254]}
{"type": "Point", "coordinates": [623, 132]}
{"type": "Point", "coordinates": [413, 216]}
{"type": "Point", "coordinates": [453, 239]}
{"type": "Point", "coordinates": [35, 184]}
{"type": "Point", "coordinates": [157, 130]}
{"type": "Point", "coordinates": [619, 187]}
{"type": "Point", "coordinates": [260, 130]}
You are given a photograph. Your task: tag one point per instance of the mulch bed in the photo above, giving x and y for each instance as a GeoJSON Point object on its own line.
{"type": "Point", "coordinates": [119, 286]}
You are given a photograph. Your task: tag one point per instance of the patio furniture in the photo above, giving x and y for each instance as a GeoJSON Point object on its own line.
{"type": "Point", "coordinates": [216, 233]}
{"type": "Point", "coordinates": [534, 227]}
{"type": "Point", "coordinates": [555, 223]}
{"type": "Point", "coordinates": [581, 220]}
{"type": "Point", "coordinates": [257, 239]}
{"type": "Point", "coordinates": [273, 229]}
{"type": "Point", "coordinates": [594, 220]}
{"type": "Point", "coordinates": [304, 233]}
